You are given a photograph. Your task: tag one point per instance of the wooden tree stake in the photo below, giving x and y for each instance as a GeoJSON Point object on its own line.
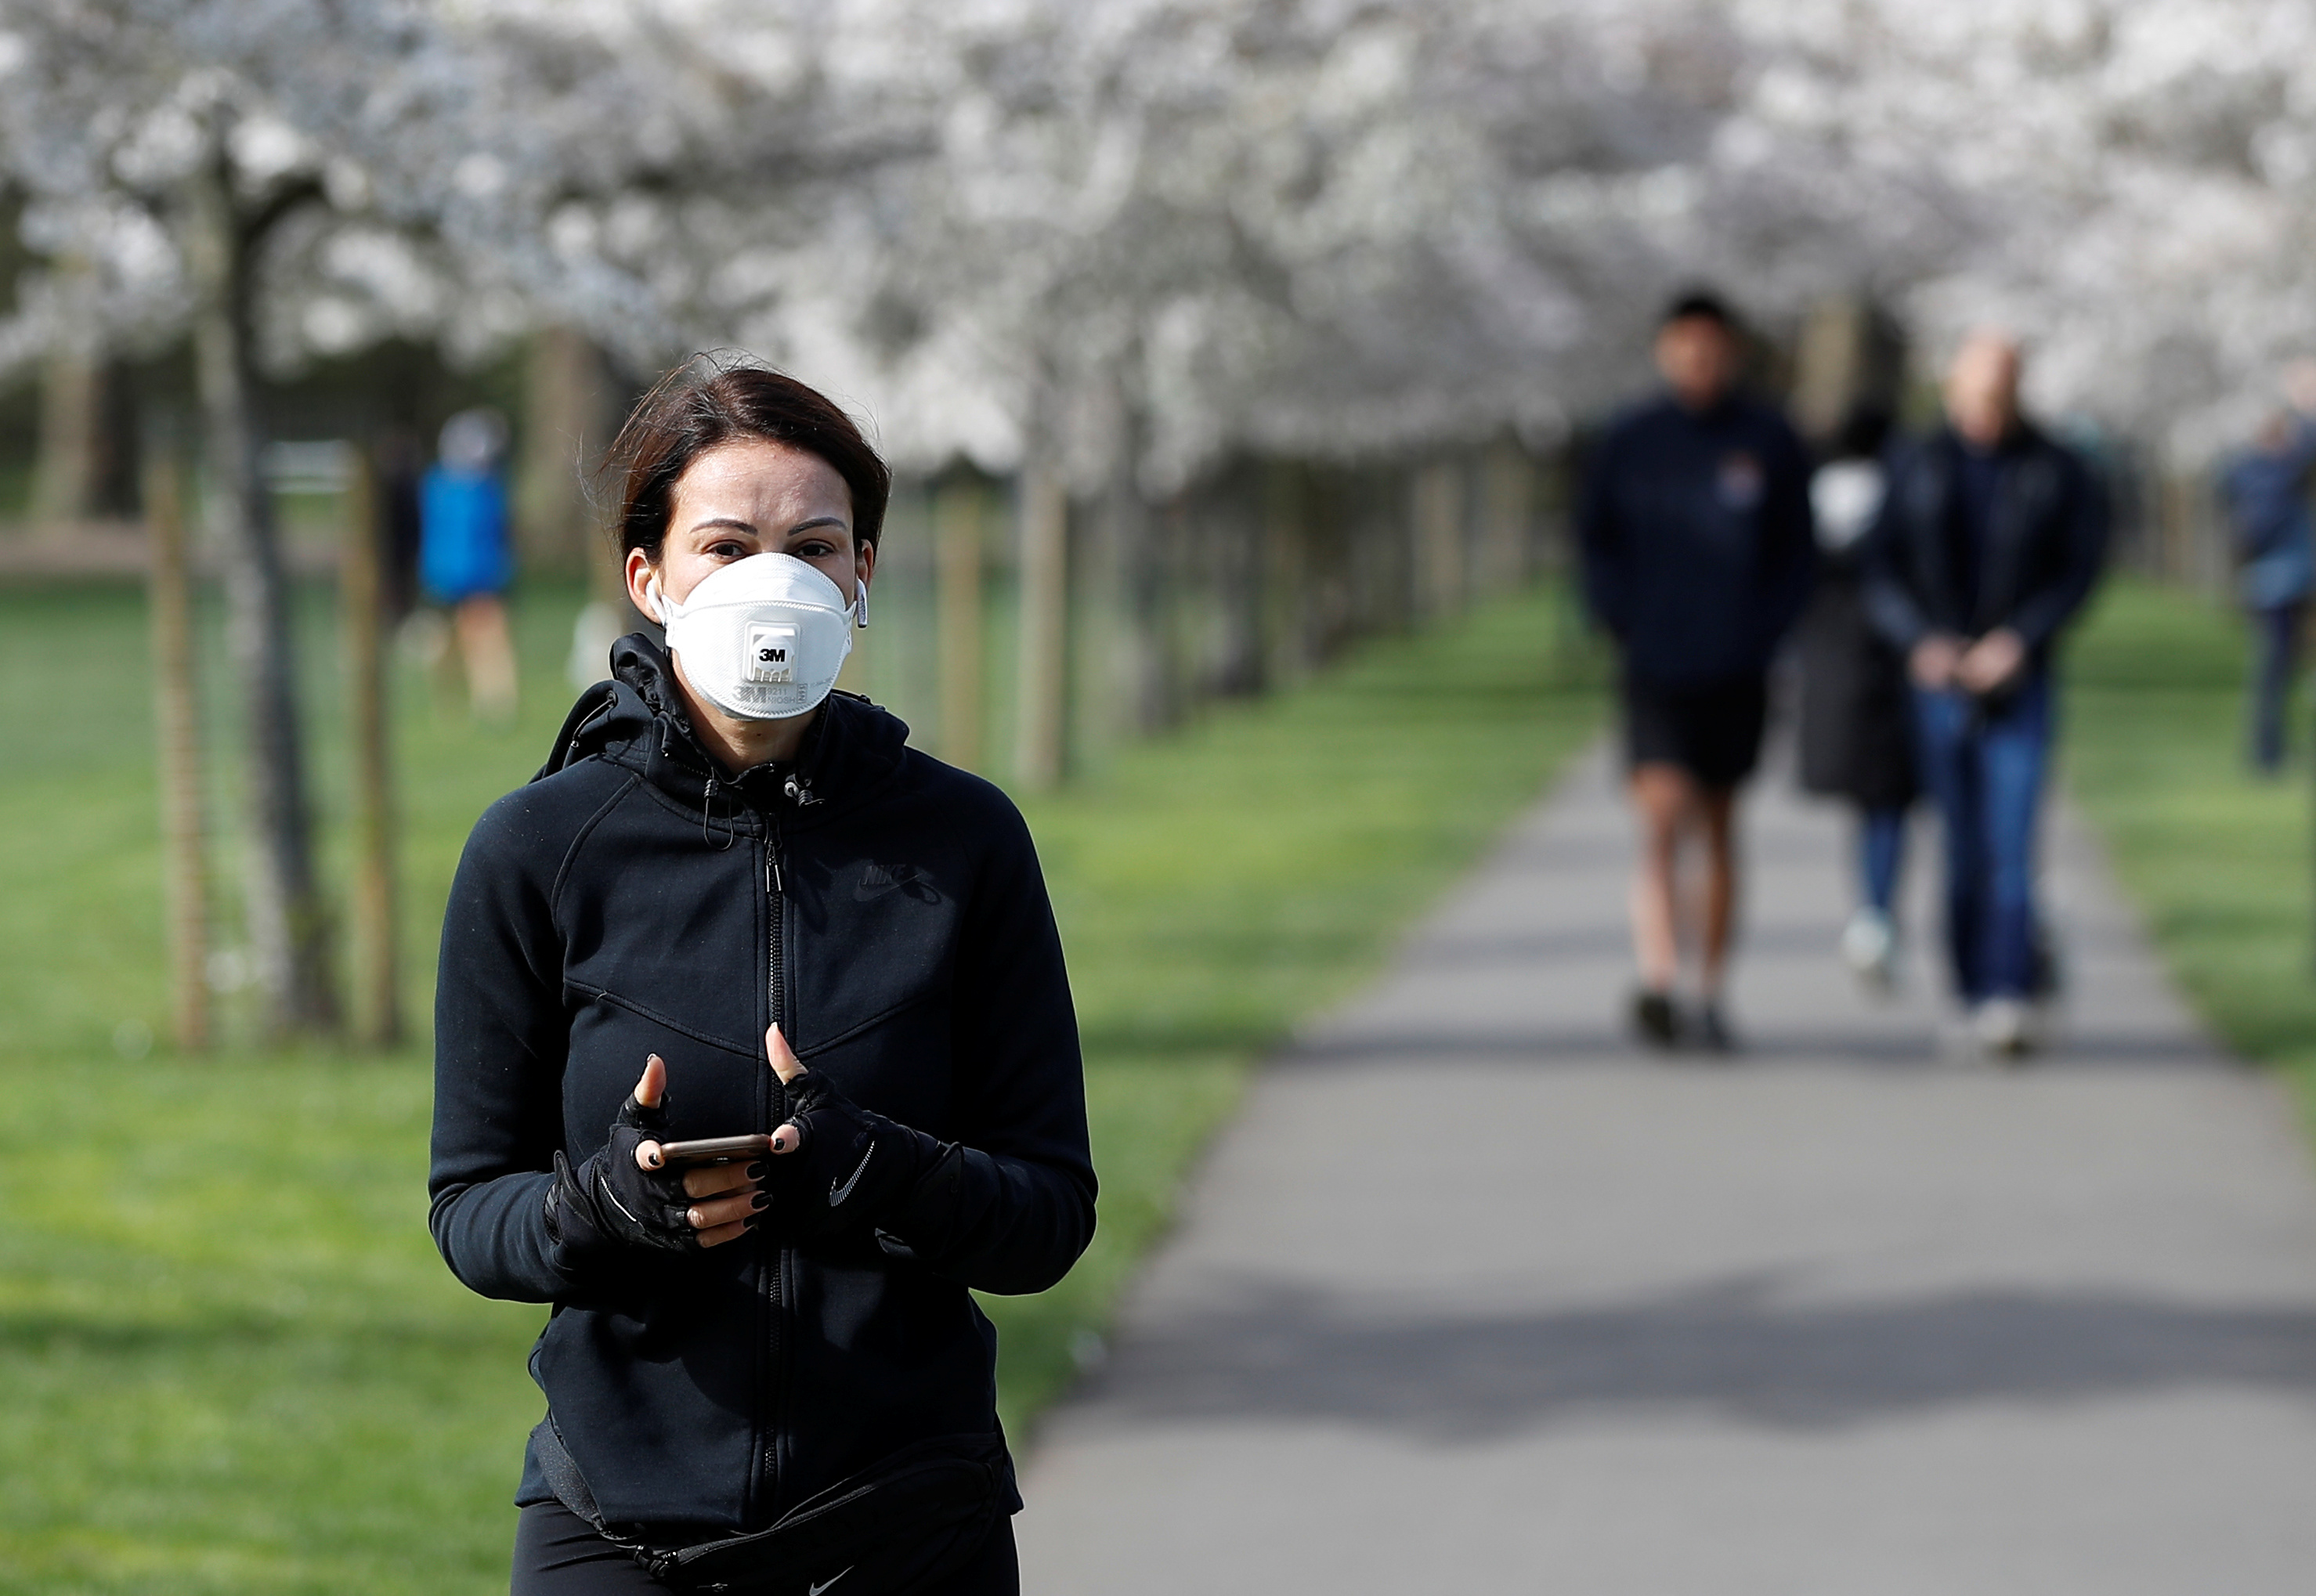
{"type": "Point", "coordinates": [377, 996]}
{"type": "Point", "coordinates": [177, 719]}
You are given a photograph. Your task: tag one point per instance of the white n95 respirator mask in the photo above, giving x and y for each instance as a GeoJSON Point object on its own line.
{"type": "Point", "coordinates": [762, 638]}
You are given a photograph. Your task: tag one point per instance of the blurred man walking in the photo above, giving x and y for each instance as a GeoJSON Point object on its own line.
{"type": "Point", "coordinates": [1990, 540]}
{"type": "Point", "coordinates": [1696, 534]}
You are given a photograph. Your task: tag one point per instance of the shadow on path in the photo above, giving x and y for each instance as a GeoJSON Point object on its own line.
{"type": "Point", "coordinates": [1724, 1347]}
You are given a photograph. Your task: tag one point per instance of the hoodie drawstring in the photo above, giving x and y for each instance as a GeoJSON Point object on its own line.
{"type": "Point", "coordinates": [731, 832]}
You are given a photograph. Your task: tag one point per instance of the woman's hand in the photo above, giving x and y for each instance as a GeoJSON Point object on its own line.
{"type": "Point", "coordinates": [626, 1193]}
{"type": "Point", "coordinates": [839, 1166]}
{"type": "Point", "coordinates": [724, 1197]}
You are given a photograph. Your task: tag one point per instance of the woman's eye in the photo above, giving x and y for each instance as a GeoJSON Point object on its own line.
{"type": "Point", "coordinates": [726, 549]}
{"type": "Point", "coordinates": [814, 548]}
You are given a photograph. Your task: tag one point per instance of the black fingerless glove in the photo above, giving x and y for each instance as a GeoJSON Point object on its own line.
{"type": "Point", "coordinates": [611, 1197]}
{"type": "Point", "coordinates": [853, 1168]}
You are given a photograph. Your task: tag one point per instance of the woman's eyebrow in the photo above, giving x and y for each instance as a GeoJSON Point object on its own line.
{"type": "Point", "coordinates": [748, 527]}
{"type": "Point", "coordinates": [818, 521]}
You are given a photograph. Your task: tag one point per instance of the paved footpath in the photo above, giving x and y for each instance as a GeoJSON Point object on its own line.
{"type": "Point", "coordinates": [1475, 1297]}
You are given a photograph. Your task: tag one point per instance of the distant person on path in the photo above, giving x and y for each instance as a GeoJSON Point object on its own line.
{"type": "Point", "coordinates": [466, 558]}
{"type": "Point", "coordinates": [736, 903]}
{"type": "Point", "coordinates": [1695, 527]}
{"type": "Point", "coordinates": [2266, 491]}
{"type": "Point", "coordinates": [1856, 724]}
{"type": "Point", "coordinates": [400, 459]}
{"type": "Point", "coordinates": [1990, 540]}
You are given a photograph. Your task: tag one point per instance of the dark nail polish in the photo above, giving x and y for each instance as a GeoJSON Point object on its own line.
{"type": "Point", "coordinates": [763, 1199]}
{"type": "Point", "coordinates": [755, 1172]}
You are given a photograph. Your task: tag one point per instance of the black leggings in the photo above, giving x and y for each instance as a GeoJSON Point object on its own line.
{"type": "Point", "coordinates": [557, 1553]}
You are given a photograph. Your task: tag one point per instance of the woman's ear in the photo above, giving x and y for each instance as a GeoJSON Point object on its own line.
{"type": "Point", "coordinates": [642, 578]}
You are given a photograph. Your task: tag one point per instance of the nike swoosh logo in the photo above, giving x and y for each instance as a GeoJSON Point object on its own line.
{"type": "Point", "coordinates": [877, 880]}
{"type": "Point", "coordinates": [837, 1194]}
{"type": "Point", "coordinates": [831, 1580]}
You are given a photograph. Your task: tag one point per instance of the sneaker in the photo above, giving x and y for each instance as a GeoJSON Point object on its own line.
{"type": "Point", "coordinates": [2005, 1029]}
{"type": "Point", "coordinates": [1869, 946]}
{"type": "Point", "coordinates": [1709, 1032]}
{"type": "Point", "coordinates": [1655, 1022]}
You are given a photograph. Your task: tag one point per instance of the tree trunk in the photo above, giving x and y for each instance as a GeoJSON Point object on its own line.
{"type": "Point", "coordinates": [565, 421]}
{"type": "Point", "coordinates": [957, 601]}
{"type": "Point", "coordinates": [1043, 707]}
{"type": "Point", "coordinates": [362, 588]}
{"type": "Point", "coordinates": [1288, 588]}
{"type": "Point", "coordinates": [287, 931]}
{"type": "Point", "coordinates": [184, 834]}
{"type": "Point", "coordinates": [1508, 503]}
{"type": "Point", "coordinates": [72, 407]}
{"type": "Point", "coordinates": [1436, 505]}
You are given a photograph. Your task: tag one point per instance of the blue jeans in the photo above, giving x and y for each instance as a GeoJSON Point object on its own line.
{"type": "Point", "coordinates": [1983, 769]}
{"type": "Point", "coordinates": [2276, 633]}
{"type": "Point", "coordinates": [1881, 856]}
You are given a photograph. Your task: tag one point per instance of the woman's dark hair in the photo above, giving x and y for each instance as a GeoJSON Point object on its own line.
{"type": "Point", "coordinates": [699, 405]}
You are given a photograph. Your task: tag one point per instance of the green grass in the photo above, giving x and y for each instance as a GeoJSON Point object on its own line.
{"type": "Point", "coordinates": [2217, 857]}
{"type": "Point", "coordinates": [229, 1357]}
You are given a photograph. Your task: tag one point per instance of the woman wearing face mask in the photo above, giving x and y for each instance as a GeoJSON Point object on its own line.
{"type": "Point", "coordinates": [735, 901]}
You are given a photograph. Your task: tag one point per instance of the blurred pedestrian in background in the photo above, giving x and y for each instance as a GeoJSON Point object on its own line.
{"type": "Point", "coordinates": [1694, 528]}
{"type": "Point", "coordinates": [1990, 538]}
{"type": "Point", "coordinates": [399, 458]}
{"type": "Point", "coordinates": [2266, 491]}
{"type": "Point", "coordinates": [467, 559]}
{"type": "Point", "coordinates": [1856, 739]}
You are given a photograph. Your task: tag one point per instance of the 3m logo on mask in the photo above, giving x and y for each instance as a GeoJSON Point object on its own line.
{"type": "Point", "coordinates": [769, 653]}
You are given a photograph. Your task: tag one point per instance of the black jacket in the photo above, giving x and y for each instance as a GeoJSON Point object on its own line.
{"type": "Point", "coordinates": [1855, 729]}
{"type": "Point", "coordinates": [1696, 536]}
{"type": "Point", "coordinates": [889, 911]}
{"type": "Point", "coordinates": [2043, 546]}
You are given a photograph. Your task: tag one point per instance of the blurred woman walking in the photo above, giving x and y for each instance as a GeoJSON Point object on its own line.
{"type": "Point", "coordinates": [1856, 715]}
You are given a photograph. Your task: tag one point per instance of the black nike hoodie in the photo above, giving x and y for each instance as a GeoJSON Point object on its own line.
{"type": "Point", "coordinates": [889, 911]}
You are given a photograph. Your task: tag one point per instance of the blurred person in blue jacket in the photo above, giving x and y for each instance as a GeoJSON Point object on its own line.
{"type": "Point", "coordinates": [2266, 491]}
{"type": "Point", "coordinates": [1695, 527]}
{"type": "Point", "coordinates": [466, 557]}
{"type": "Point", "coordinates": [1990, 538]}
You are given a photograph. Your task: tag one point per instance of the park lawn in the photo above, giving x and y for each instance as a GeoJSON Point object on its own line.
{"type": "Point", "coordinates": [2217, 859]}
{"type": "Point", "coordinates": [230, 1359]}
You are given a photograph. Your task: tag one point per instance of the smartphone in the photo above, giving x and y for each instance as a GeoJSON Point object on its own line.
{"type": "Point", "coordinates": [715, 1150]}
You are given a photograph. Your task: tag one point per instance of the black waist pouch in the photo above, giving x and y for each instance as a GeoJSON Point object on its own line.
{"type": "Point", "coordinates": [902, 1526]}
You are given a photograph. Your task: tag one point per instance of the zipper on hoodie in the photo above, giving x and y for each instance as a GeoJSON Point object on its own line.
{"type": "Point", "coordinates": [776, 1272]}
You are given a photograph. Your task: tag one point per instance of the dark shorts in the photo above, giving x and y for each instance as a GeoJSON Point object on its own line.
{"type": "Point", "coordinates": [1712, 731]}
{"type": "Point", "coordinates": [557, 1553]}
